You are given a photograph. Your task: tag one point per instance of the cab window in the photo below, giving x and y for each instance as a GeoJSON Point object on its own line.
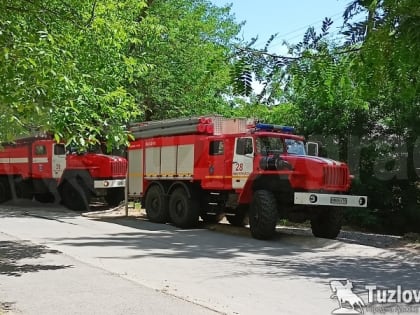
{"type": "Point", "coordinates": [59, 149]}
{"type": "Point", "coordinates": [40, 150]}
{"type": "Point", "coordinates": [269, 145]}
{"type": "Point", "coordinates": [216, 147]}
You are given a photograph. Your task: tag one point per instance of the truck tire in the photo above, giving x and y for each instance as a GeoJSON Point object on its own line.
{"type": "Point", "coordinates": [75, 196]}
{"type": "Point", "coordinates": [114, 196]}
{"type": "Point", "coordinates": [183, 211]}
{"type": "Point", "coordinates": [327, 223]}
{"type": "Point", "coordinates": [263, 215]}
{"type": "Point", "coordinates": [5, 193]}
{"type": "Point", "coordinates": [212, 218]}
{"type": "Point", "coordinates": [156, 205]}
{"type": "Point", "coordinates": [241, 218]}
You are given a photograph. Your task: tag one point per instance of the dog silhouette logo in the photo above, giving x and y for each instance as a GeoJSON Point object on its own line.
{"type": "Point", "coordinates": [348, 301]}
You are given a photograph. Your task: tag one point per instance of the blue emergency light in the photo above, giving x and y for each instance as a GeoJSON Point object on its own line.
{"type": "Point", "coordinates": [271, 127]}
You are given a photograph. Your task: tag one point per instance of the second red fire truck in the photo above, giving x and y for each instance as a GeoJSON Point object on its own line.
{"type": "Point", "coordinates": [38, 167]}
{"type": "Point", "coordinates": [215, 167]}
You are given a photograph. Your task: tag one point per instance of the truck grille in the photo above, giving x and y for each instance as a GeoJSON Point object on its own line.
{"type": "Point", "coordinates": [335, 176]}
{"type": "Point", "coordinates": [119, 168]}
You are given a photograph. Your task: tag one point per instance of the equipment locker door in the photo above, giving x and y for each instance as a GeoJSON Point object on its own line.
{"type": "Point", "coordinates": [243, 161]}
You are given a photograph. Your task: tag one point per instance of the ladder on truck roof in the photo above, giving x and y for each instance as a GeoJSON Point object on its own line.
{"type": "Point", "coordinates": [213, 125]}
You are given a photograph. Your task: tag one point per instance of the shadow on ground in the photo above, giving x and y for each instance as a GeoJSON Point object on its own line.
{"type": "Point", "coordinates": [50, 211]}
{"type": "Point", "coordinates": [287, 256]}
{"type": "Point", "coordinates": [12, 252]}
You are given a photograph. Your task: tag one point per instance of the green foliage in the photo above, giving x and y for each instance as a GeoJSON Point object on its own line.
{"type": "Point", "coordinates": [63, 66]}
{"type": "Point", "coordinates": [325, 89]}
{"type": "Point", "coordinates": [365, 219]}
{"type": "Point", "coordinates": [283, 114]}
{"type": "Point", "coordinates": [84, 69]}
{"type": "Point", "coordinates": [241, 76]}
{"type": "Point", "coordinates": [387, 66]}
{"type": "Point", "coordinates": [389, 76]}
{"type": "Point", "coordinates": [189, 58]}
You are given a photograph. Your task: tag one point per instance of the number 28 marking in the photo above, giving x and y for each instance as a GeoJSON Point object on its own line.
{"type": "Point", "coordinates": [239, 167]}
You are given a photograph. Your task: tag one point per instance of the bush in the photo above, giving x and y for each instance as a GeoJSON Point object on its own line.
{"type": "Point", "coordinates": [393, 206]}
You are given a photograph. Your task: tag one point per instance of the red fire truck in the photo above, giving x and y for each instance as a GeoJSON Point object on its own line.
{"type": "Point", "coordinates": [39, 167]}
{"type": "Point", "coordinates": [255, 173]}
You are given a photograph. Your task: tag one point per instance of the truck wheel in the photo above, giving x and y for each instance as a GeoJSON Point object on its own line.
{"type": "Point", "coordinates": [156, 205]}
{"type": "Point", "coordinates": [263, 215]}
{"type": "Point", "coordinates": [183, 211]}
{"type": "Point", "coordinates": [241, 218]}
{"type": "Point", "coordinates": [75, 196]}
{"type": "Point", "coordinates": [327, 223]}
{"type": "Point", "coordinates": [4, 190]}
{"type": "Point", "coordinates": [212, 218]}
{"type": "Point", "coordinates": [114, 196]}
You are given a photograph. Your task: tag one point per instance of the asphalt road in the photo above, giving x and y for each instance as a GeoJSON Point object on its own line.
{"type": "Point", "coordinates": [54, 261]}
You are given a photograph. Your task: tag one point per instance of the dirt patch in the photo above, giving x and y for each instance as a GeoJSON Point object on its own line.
{"type": "Point", "coordinates": [7, 308]}
{"type": "Point", "coordinates": [410, 242]}
{"type": "Point", "coordinates": [117, 212]}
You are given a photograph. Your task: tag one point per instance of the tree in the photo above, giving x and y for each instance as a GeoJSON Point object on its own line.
{"type": "Point", "coordinates": [324, 87]}
{"type": "Point", "coordinates": [317, 78]}
{"type": "Point", "coordinates": [63, 66]}
{"type": "Point", "coordinates": [389, 73]}
{"type": "Point", "coordinates": [388, 63]}
{"type": "Point", "coordinates": [85, 69]}
{"type": "Point", "coordinates": [189, 59]}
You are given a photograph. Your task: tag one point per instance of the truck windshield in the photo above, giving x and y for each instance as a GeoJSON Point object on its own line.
{"type": "Point", "coordinates": [295, 147]}
{"type": "Point", "coordinates": [269, 145]}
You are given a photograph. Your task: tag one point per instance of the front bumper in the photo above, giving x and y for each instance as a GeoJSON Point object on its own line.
{"type": "Point", "coordinates": [317, 199]}
{"type": "Point", "coordinates": [109, 183]}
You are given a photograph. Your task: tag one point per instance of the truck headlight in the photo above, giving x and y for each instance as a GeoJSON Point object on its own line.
{"type": "Point", "coordinates": [313, 198]}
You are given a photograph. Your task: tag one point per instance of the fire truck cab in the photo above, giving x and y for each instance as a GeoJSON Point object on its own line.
{"type": "Point", "coordinates": [38, 167]}
{"type": "Point", "coordinates": [256, 174]}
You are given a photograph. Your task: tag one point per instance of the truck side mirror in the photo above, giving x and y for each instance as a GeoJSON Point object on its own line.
{"type": "Point", "coordinates": [312, 148]}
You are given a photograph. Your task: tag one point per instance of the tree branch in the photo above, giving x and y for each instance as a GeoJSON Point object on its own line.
{"type": "Point", "coordinates": [144, 11]}
{"type": "Point", "coordinates": [140, 18]}
{"type": "Point", "coordinates": [262, 53]}
{"type": "Point", "coordinates": [92, 15]}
